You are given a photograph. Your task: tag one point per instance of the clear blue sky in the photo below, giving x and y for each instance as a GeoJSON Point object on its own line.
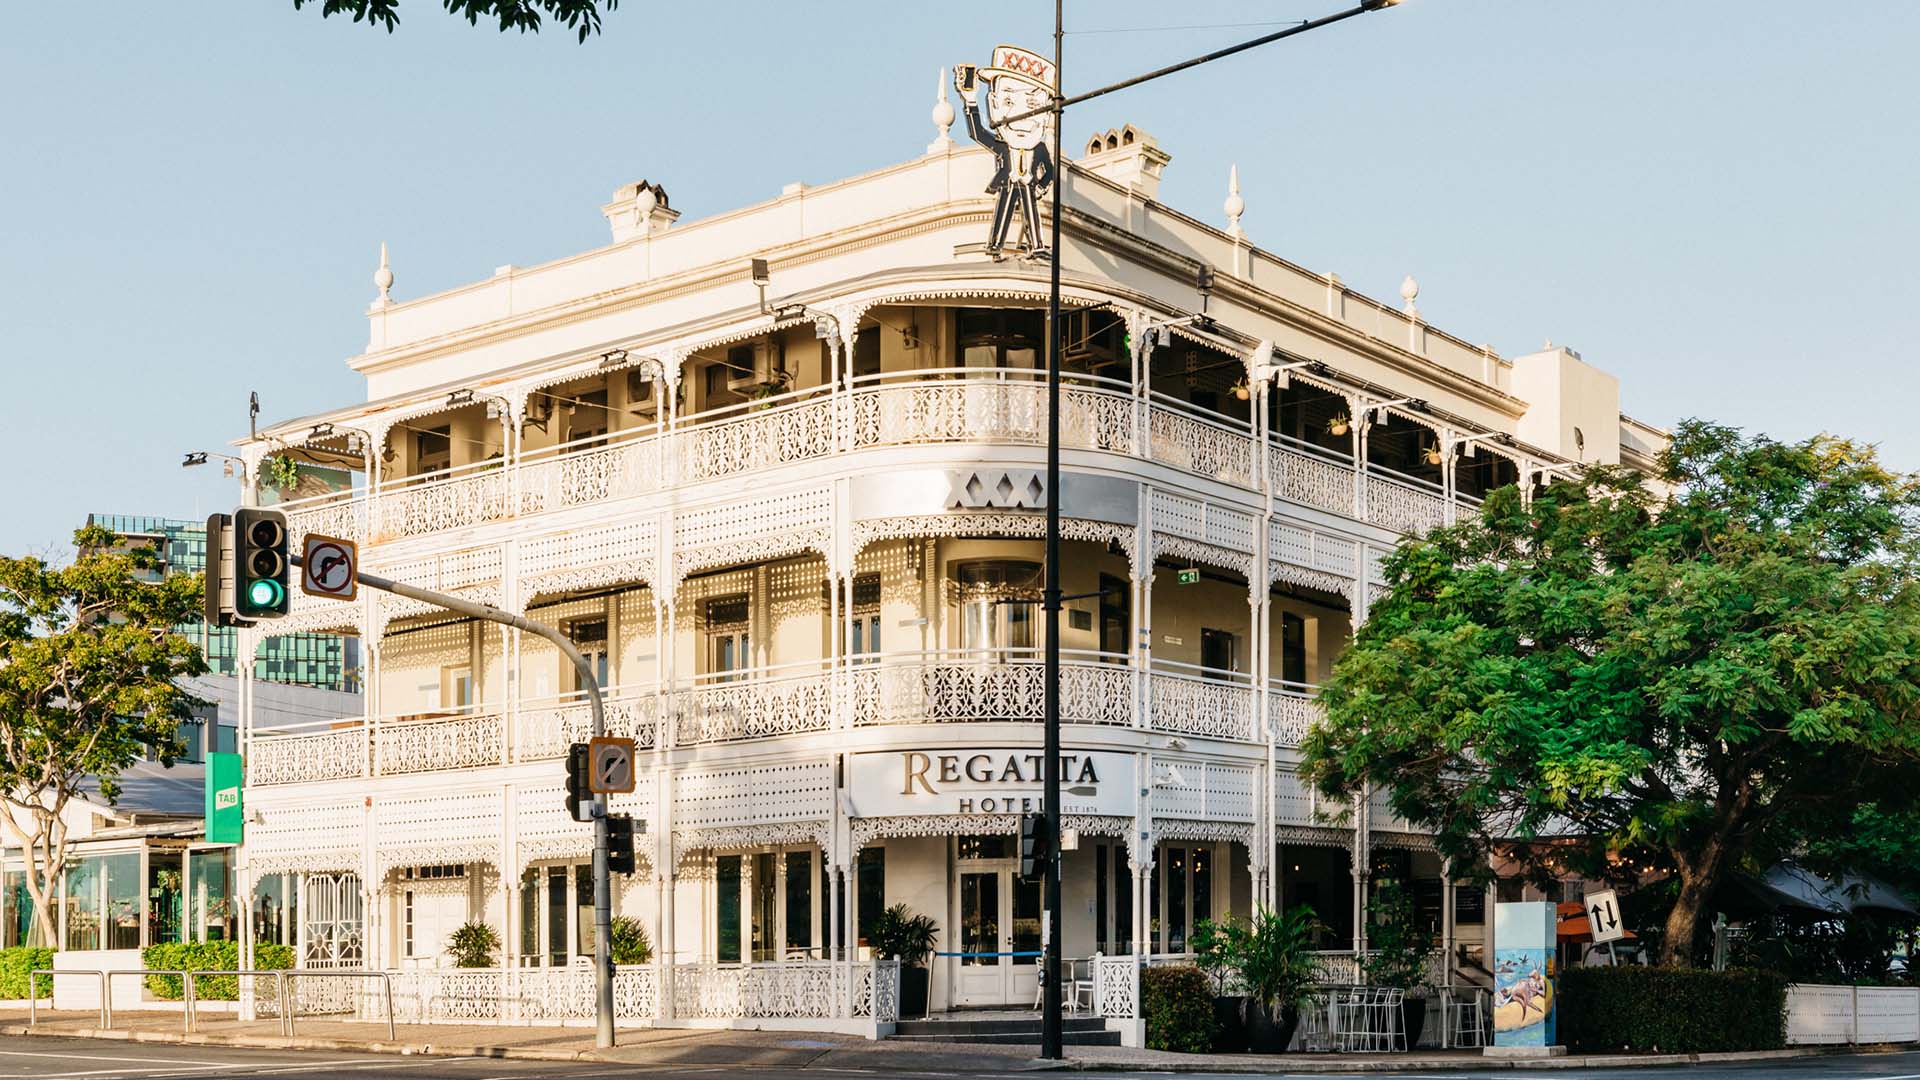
{"type": "Point", "coordinates": [1715, 200]}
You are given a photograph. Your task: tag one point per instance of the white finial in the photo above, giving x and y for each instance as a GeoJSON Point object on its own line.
{"type": "Point", "coordinates": [644, 201]}
{"type": "Point", "coordinates": [1409, 289]}
{"type": "Point", "coordinates": [383, 277]}
{"type": "Point", "coordinates": [1235, 205]}
{"type": "Point", "coordinates": [942, 117]}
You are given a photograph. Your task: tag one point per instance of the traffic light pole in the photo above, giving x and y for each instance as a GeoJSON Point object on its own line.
{"type": "Point", "coordinates": [1052, 1042]}
{"type": "Point", "coordinates": [602, 890]}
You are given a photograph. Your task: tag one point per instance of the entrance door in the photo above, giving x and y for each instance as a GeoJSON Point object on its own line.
{"type": "Point", "coordinates": [999, 932]}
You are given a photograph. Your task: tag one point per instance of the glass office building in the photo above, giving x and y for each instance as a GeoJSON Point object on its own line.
{"type": "Point", "coordinates": [327, 661]}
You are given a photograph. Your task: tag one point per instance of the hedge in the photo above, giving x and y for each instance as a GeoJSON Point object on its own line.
{"type": "Point", "coordinates": [207, 956]}
{"type": "Point", "coordinates": [15, 963]}
{"type": "Point", "coordinates": [1177, 1003]}
{"type": "Point", "coordinates": [1672, 1010]}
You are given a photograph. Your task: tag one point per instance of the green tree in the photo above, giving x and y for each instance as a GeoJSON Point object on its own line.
{"type": "Point", "coordinates": [1716, 664]}
{"type": "Point", "coordinates": [88, 663]}
{"type": "Point", "coordinates": [580, 16]}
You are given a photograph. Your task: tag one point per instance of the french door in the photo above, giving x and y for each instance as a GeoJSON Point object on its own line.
{"type": "Point", "coordinates": [999, 934]}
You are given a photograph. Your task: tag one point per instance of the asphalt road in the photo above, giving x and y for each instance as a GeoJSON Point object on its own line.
{"type": "Point", "coordinates": [45, 1058]}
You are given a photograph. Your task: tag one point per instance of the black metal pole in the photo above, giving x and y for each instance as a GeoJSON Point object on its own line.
{"type": "Point", "coordinates": [1052, 1046]}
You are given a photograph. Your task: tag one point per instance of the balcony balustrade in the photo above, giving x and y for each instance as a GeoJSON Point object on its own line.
{"type": "Point", "coordinates": [916, 408]}
{"type": "Point", "coordinates": [985, 687]}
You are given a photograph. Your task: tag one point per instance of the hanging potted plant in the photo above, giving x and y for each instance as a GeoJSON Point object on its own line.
{"type": "Point", "coordinates": [775, 385]}
{"type": "Point", "coordinates": [281, 473]}
{"type": "Point", "coordinates": [1339, 424]}
{"type": "Point", "coordinates": [1398, 952]}
{"type": "Point", "coordinates": [898, 933]}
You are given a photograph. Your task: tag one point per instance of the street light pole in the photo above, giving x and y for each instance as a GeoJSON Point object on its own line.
{"type": "Point", "coordinates": [1052, 1045]}
{"type": "Point", "coordinates": [1051, 1041]}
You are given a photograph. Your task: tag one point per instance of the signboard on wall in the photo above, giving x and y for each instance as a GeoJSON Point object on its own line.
{"type": "Point", "coordinates": [979, 780]}
{"type": "Point", "coordinates": [225, 817]}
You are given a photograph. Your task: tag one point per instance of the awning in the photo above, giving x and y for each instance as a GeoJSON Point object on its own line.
{"type": "Point", "coordinates": [1790, 887]}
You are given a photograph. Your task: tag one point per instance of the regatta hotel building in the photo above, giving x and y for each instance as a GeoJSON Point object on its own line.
{"type": "Point", "coordinates": [797, 530]}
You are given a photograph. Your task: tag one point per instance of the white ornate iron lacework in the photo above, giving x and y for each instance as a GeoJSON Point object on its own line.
{"type": "Point", "coordinates": [545, 731]}
{"type": "Point", "coordinates": [916, 526]}
{"type": "Point", "coordinates": [1402, 508]}
{"type": "Point", "coordinates": [752, 708]}
{"type": "Point", "coordinates": [589, 558]}
{"type": "Point", "coordinates": [1215, 535]}
{"type": "Point", "coordinates": [1310, 480]}
{"type": "Point", "coordinates": [1116, 987]}
{"type": "Point", "coordinates": [1193, 444]}
{"type": "Point", "coordinates": [460, 742]}
{"type": "Point", "coordinates": [1289, 715]}
{"type": "Point", "coordinates": [439, 828]}
{"type": "Point", "coordinates": [340, 515]}
{"type": "Point", "coordinates": [864, 831]}
{"type": "Point", "coordinates": [753, 795]}
{"type": "Point", "coordinates": [317, 614]}
{"type": "Point", "coordinates": [1186, 705]}
{"type": "Point", "coordinates": [975, 691]}
{"type": "Point", "coordinates": [306, 837]}
{"type": "Point", "coordinates": [556, 482]}
{"type": "Point", "coordinates": [1190, 789]}
{"type": "Point", "coordinates": [996, 410]}
{"type": "Point", "coordinates": [1294, 803]}
{"type": "Point", "coordinates": [1309, 558]}
{"type": "Point", "coordinates": [731, 837]}
{"type": "Point", "coordinates": [299, 759]}
{"type": "Point", "coordinates": [1185, 829]}
{"type": "Point", "coordinates": [753, 530]}
{"type": "Point", "coordinates": [432, 506]}
{"type": "Point", "coordinates": [793, 432]}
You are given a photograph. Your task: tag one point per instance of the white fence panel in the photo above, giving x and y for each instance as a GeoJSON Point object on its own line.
{"type": "Point", "coordinates": [1832, 1015]}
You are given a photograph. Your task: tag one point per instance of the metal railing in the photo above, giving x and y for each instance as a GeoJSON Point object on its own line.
{"type": "Point", "coordinates": [33, 998]}
{"type": "Point", "coordinates": [287, 1009]}
{"type": "Point", "coordinates": [280, 994]}
{"type": "Point", "coordinates": [283, 984]}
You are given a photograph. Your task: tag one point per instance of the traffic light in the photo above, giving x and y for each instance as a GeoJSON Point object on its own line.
{"type": "Point", "coordinates": [1033, 844]}
{"type": "Point", "coordinates": [620, 843]}
{"type": "Point", "coordinates": [259, 563]}
{"type": "Point", "coordinates": [579, 799]}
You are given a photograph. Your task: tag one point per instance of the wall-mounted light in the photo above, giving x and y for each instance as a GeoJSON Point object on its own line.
{"type": "Point", "coordinates": [612, 358]}
{"type": "Point", "coordinates": [320, 431]}
{"type": "Point", "coordinates": [463, 396]}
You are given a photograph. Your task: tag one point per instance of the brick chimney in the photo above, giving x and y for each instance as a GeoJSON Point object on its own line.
{"type": "Point", "coordinates": [1128, 157]}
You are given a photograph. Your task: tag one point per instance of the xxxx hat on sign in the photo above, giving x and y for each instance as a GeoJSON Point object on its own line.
{"type": "Point", "coordinates": [1012, 61]}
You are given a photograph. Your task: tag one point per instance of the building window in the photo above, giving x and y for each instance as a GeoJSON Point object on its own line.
{"type": "Point", "coordinates": [1115, 623]}
{"type": "Point", "coordinates": [432, 449]}
{"type": "Point", "coordinates": [406, 924]}
{"type": "Point", "coordinates": [587, 420]}
{"type": "Point", "coordinates": [1218, 653]}
{"type": "Point", "coordinates": [870, 888]}
{"type": "Point", "coordinates": [866, 352]}
{"type": "Point", "coordinates": [1001, 337]}
{"type": "Point", "coordinates": [590, 637]}
{"type": "Point", "coordinates": [998, 598]}
{"type": "Point", "coordinates": [726, 633]}
{"type": "Point", "coordinates": [866, 615]}
{"type": "Point", "coordinates": [1293, 648]}
{"type": "Point", "coordinates": [726, 885]}
{"type": "Point", "coordinates": [556, 916]}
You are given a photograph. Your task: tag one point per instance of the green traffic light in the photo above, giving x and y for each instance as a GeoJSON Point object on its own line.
{"type": "Point", "coordinates": [265, 593]}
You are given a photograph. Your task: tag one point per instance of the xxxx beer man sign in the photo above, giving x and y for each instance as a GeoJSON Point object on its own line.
{"type": "Point", "coordinates": [1018, 81]}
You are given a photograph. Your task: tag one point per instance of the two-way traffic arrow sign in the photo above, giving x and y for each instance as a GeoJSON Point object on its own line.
{"type": "Point", "coordinates": [1603, 916]}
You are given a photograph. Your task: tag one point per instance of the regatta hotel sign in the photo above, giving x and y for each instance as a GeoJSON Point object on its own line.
{"type": "Point", "coordinates": [986, 780]}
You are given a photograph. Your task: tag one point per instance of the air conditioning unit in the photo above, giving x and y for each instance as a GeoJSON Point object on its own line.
{"type": "Point", "coordinates": [750, 366]}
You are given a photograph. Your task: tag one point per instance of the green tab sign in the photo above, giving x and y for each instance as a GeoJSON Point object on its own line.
{"type": "Point", "coordinates": [1190, 575]}
{"type": "Point", "coordinates": [224, 817]}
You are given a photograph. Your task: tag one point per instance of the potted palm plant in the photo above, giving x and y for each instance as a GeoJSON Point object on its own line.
{"type": "Point", "coordinates": [1273, 956]}
{"type": "Point", "coordinates": [898, 933]}
{"type": "Point", "coordinates": [1398, 952]}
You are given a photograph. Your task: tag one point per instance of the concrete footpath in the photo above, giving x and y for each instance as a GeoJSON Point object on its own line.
{"type": "Point", "coordinates": [682, 1046]}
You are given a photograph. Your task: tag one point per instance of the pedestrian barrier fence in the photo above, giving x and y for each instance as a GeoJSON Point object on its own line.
{"type": "Point", "coordinates": [1858, 1015]}
{"type": "Point", "coordinates": [283, 1002]}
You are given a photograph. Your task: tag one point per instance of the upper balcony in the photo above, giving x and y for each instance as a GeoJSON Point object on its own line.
{"type": "Point", "coordinates": [999, 686]}
{"type": "Point", "coordinates": [911, 376]}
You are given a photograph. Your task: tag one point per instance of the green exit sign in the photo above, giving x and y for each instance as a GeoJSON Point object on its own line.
{"type": "Point", "coordinates": [1189, 576]}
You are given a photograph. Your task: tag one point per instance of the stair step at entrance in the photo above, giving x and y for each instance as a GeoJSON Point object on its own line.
{"type": "Point", "coordinates": [1074, 1031]}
